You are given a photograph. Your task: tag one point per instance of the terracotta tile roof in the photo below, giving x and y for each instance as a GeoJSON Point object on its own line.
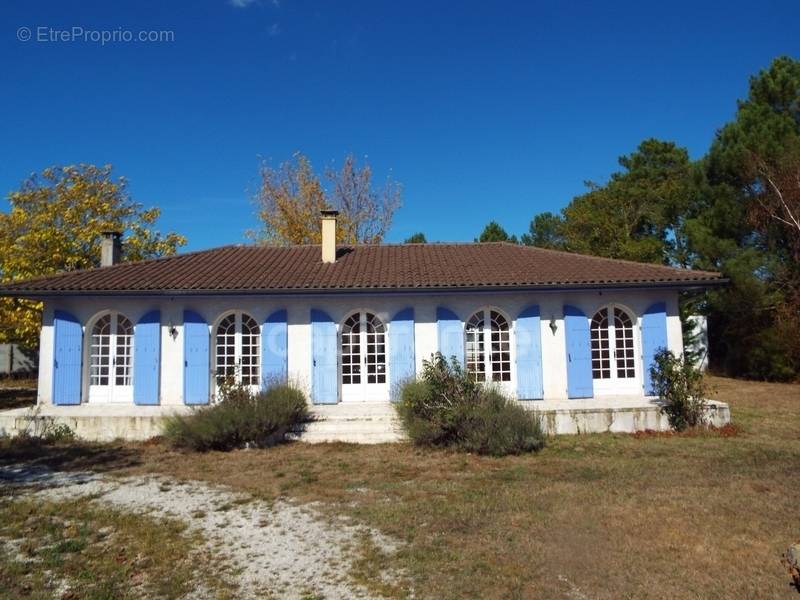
{"type": "Point", "coordinates": [298, 269]}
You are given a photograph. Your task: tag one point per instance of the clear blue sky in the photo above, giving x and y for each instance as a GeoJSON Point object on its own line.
{"type": "Point", "coordinates": [481, 110]}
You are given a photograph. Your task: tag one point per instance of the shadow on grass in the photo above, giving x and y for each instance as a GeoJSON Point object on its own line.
{"type": "Point", "coordinates": [17, 397]}
{"type": "Point", "coordinates": [73, 456]}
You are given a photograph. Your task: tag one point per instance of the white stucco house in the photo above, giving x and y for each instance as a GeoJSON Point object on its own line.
{"type": "Point", "coordinates": [350, 323]}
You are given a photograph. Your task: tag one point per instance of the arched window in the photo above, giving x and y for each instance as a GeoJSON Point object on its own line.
{"type": "Point", "coordinates": [612, 344]}
{"type": "Point", "coordinates": [238, 349]}
{"type": "Point", "coordinates": [492, 362]}
{"type": "Point", "coordinates": [363, 352]}
{"type": "Point", "coordinates": [111, 359]}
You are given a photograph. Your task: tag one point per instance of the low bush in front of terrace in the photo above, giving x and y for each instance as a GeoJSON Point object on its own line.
{"type": "Point", "coordinates": [446, 407]}
{"type": "Point", "coordinates": [241, 419]}
{"type": "Point", "coordinates": [680, 386]}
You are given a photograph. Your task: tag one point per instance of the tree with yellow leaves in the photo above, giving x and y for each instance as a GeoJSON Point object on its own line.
{"type": "Point", "coordinates": [55, 224]}
{"type": "Point", "coordinates": [291, 196]}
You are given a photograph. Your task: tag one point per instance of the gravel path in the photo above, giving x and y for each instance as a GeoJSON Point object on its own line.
{"type": "Point", "coordinates": [288, 550]}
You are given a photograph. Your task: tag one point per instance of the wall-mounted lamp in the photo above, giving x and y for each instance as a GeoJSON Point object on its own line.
{"type": "Point", "coordinates": [553, 325]}
{"type": "Point", "coordinates": [173, 331]}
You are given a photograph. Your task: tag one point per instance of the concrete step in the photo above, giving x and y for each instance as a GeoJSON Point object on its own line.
{"type": "Point", "coordinates": [356, 422]}
{"type": "Point", "coordinates": [353, 425]}
{"type": "Point", "coordinates": [355, 410]}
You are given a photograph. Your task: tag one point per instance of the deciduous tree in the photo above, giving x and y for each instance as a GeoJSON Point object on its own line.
{"type": "Point", "coordinates": [777, 198]}
{"type": "Point", "coordinates": [292, 195]}
{"type": "Point", "coordinates": [54, 224]}
{"type": "Point", "coordinates": [289, 202]}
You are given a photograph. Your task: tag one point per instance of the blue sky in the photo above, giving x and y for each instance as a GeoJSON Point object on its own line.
{"type": "Point", "coordinates": [481, 110]}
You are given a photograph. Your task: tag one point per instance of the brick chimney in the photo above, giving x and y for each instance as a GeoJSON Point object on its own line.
{"type": "Point", "coordinates": [329, 235]}
{"type": "Point", "coordinates": [110, 248]}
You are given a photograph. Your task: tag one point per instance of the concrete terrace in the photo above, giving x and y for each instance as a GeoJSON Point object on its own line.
{"type": "Point", "coordinates": [356, 422]}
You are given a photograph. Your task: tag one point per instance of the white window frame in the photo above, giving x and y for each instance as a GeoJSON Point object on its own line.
{"type": "Point", "coordinates": [615, 385]}
{"type": "Point", "coordinates": [239, 317]}
{"type": "Point", "coordinates": [489, 371]}
{"type": "Point", "coordinates": [112, 392]}
{"type": "Point", "coordinates": [364, 391]}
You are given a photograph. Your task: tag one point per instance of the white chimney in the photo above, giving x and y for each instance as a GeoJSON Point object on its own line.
{"type": "Point", "coordinates": [329, 235]}
{"type": "Point", "coordinates": [110, 248]}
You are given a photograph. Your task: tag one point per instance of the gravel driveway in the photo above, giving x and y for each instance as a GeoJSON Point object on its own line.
{"type": "Point", "coordinates": [288, 550]}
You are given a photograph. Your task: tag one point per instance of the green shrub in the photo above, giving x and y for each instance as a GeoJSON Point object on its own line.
{"type": "Point", "coordinates": [59, 432]}
{"type": "Point", "coordinates": [39, 429]}
{"type": "Point", "coordinates": [447, 408]}
{"type": "Point", "coordinates": [240, 419]}
{"type": "Point", "coordinates": [681, 388]}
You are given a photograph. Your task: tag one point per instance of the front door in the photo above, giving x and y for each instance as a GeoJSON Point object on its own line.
{"type": "Point", "coordinates": [363, 354]}
{"type": "Point", "coordinates": [111, 359]}
{"type": "Point", "coordinates": [614, 365]}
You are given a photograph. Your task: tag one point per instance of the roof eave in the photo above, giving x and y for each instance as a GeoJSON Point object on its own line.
{"type": "Point", "coordinates": [583, 286]}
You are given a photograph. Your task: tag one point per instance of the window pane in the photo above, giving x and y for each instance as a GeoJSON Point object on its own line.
{"type": "Point", "coordinates": [351, 350]}
{"type": "Point", "coordinates": [623, 333]}
{"type": "Point", "coordinates": [501, 355]}
{"type": "Point", "coordinates": [100, 352]}
{"type": "Point", "coordinates": [600, 345]}
{"type": "Point", "coordinates": [225, 352]}
{"type": "Point", "coordinates": [250, 370]}
{"type": "Point", "coordinates": [124, 351]}
{"type": "Point", "coordinates": [376, 349]}
{"type": "Point", "coordinates": [475, 347]}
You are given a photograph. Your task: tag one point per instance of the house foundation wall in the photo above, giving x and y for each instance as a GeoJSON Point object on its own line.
{"type": "Point", "coordinates": [362, 422]}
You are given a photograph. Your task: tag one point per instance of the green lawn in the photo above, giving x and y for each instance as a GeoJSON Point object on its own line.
{"type": "Point", "coordinates": [606, 516]}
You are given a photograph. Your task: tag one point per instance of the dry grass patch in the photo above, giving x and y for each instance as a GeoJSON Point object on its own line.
{"type": "Point", "coordinates": [77, 549]}
{"type": "Point", "coordinates": [606, 516]}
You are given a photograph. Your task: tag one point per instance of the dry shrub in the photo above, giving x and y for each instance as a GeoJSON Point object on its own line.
{"type": "Point", "coordinates": [447, 408]}
{"type": "Point", "coordinates": [241, 419]}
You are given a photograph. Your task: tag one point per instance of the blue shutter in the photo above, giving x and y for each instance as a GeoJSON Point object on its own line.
{"type": "Point", "coordinates": [324, 388]}
{"type": "Point", "coordinates": [67, 354]}
{"type": "Point", "coordinates": [654, 337]}
{"type": "Point", "coordinates": [401, 350]}
{"type": "Point", "coordinates": [146, 358]}
{"type": "Point", "coordinates": [528, 333]}
{"type": "Point", "coordinates": [450, 333]}
{"type": "Point", "coordinates": [195, 359]}
{"type": "Point", "coordinates": [274, 348]}
{"type": "Point", "coordinates": [579, 353]}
